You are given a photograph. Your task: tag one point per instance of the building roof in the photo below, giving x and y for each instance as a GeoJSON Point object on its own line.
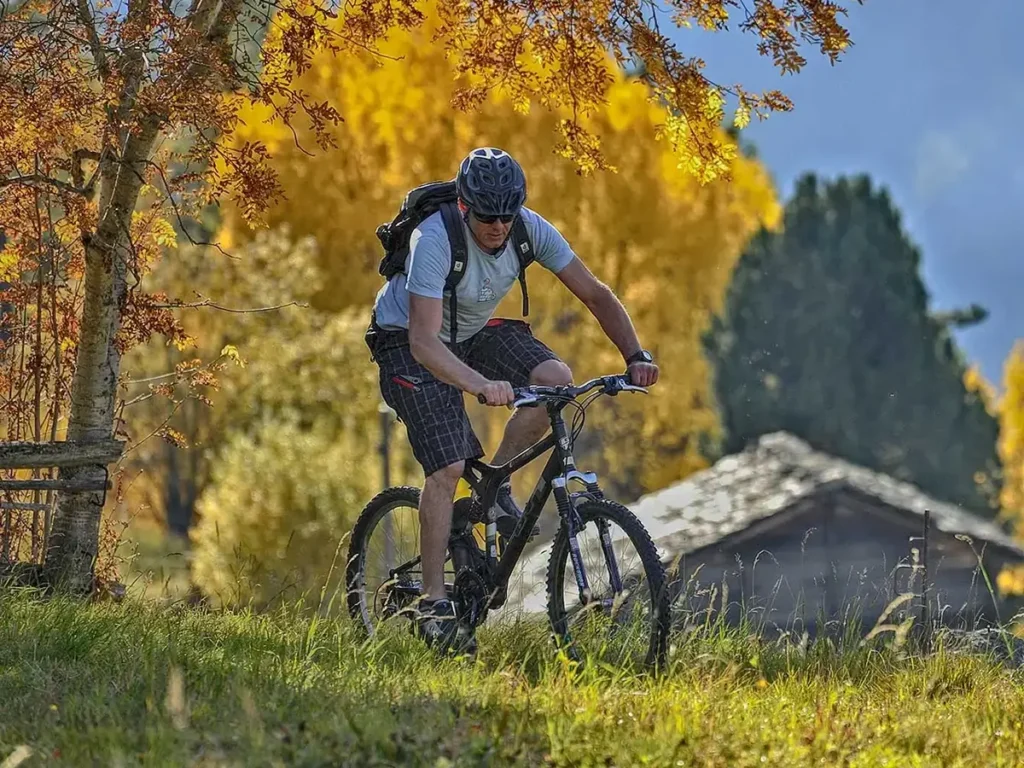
{"type": "Point", "coordinates": [772, 475]}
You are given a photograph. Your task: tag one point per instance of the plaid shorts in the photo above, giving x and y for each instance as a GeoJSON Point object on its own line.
{"type": "Point", "coordinates": [433, 412]}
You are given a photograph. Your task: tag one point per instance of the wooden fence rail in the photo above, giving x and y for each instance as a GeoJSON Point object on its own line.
{"type": "Point", "coordinates": [66, 456]}
{"type": "Point", "coordinates": [68, 453]}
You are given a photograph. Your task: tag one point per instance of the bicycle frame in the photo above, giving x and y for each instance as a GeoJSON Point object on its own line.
{"type": "Point", "coordinates": [485, 479]}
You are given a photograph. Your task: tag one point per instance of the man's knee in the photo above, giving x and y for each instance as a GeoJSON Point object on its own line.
{"type": "Point", "coordinates": [551, 373]}
{"type": "Point", "coordinates": [447, 477]}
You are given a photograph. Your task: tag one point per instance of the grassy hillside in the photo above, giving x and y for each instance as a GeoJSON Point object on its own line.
{"type": "Point", "coordinates": [137, 684]}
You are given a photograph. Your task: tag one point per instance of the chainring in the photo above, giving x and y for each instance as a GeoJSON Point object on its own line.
{"type": "Point", "coordinates": [470, 595]}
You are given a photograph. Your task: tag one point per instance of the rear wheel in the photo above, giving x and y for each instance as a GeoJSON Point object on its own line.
{"type": "Point", "coordinates": [384, 576]}
{"type": "Point", "coordinates": [622, 617]}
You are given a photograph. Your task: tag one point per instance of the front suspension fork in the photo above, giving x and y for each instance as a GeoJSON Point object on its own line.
{"type": "Point", "coordinates": [573, 525]}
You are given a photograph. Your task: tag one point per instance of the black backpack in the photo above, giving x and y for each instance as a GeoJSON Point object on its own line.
{"type": "Point", "coordinates": [420, 203]}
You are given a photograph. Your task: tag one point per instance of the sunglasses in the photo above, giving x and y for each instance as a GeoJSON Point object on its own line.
{"type": "Point", "coordinates": [491, 219]}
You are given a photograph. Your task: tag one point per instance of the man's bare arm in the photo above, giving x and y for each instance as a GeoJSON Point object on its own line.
{"type": "Point", "coordinates": [605, 306]}
{"type": "Point", "coordinates": [425, 315]}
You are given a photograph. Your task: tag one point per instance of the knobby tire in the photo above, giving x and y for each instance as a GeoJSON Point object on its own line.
{"type": "Point", "coordinates": [590, 511]}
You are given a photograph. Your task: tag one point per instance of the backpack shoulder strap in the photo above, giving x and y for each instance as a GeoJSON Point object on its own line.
{"type": "Point", "coordinates": [460, 252]}
{"type": "Point", "coordinates": [525, 253]}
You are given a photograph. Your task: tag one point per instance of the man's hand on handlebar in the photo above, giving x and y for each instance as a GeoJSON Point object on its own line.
{"type": "Point", "coordinates": [496, 393]}
{"type": "Point", "coordinates": [643, 374]}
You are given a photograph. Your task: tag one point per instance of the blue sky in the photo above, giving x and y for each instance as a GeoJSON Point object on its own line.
{"type": "Point", "coordinates": [928, 102]}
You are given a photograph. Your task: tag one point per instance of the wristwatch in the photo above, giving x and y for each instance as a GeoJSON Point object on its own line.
{"type": "Point", "coordinates": [642, 356]}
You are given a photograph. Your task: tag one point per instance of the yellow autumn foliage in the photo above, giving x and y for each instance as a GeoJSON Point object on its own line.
{"type": "Point", "coordinates": [664, 242]}
{"type": "Point", "coordinates": [1010, 409]}
{"type": "Point", "coordinates": [1011, 437]}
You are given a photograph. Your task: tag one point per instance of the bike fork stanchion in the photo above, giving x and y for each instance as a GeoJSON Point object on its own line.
{"type": "Point", "coordinates": [609, 556]}
{"type": "Point", "coordinates": [569, 518]}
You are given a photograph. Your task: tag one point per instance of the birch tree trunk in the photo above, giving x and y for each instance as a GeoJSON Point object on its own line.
{"type": "Point", "coordinates": [74, 539]}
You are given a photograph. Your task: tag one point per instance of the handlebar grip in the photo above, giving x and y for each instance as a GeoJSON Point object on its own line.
{"type": "Point", "coordinates": [517, 393]}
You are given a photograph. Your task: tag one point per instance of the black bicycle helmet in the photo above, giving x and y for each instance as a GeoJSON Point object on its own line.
{"type": "Point", "coordinates": [491, 183]}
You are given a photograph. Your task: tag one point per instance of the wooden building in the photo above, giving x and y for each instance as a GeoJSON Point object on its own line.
{"type": "Point", "coordinates": [786, 537]}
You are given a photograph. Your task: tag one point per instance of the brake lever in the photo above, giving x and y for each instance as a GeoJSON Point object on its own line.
{"type": "Point", "coordinates": [634, 388]}
{"type": "Point", "coordinates": [623, 384]}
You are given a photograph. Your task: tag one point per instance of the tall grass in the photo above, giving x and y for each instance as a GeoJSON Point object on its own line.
{"type": "Point", "coordinates": [140, 684]}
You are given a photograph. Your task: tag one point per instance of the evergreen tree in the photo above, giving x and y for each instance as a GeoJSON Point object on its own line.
{"type": "Point", "coordinates": [826, 334]}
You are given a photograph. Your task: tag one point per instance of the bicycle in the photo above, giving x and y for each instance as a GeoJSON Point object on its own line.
{"type": "Point", "coordinates": [479, 577]}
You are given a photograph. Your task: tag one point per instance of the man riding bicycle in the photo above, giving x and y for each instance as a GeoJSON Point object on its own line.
{"type": "Point", "coordinates": [424, 372]}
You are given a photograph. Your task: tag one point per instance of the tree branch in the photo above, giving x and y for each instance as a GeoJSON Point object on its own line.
{"type": "Point", "coordinates": [226, 17]}
{"type": "Point", "coordinates": [212, 305]}
{"type": "Point", "coordinates": [34, 179]}
{"type": "Point", "coordinates": [177, 405]}
{"type": "Point", "coordinates": [177, 212]}
{"type": "Point", "coordinates": [98, 55]}
{"type": "Point", "coordinates": [158, 377]}
{"type": "Point", "coordinates": [200, 14]}
{"type": "Point", "coordinates": [138, 399]}
{"type": "Point", "coordinates": [134, 60]}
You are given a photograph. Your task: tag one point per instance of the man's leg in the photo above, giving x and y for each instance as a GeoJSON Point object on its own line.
{"type": "Point", "coordinates": [441, 438]}
{"type": "Point", "coordinates": [528, 425]}
{"type": "Point", "coordinates": [435, 526]}
{"type": "Point", "coordinates": [507, 349]}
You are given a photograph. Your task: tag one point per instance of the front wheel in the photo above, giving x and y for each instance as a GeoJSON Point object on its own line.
{"type": "Point", "coordinates": [622, 614]}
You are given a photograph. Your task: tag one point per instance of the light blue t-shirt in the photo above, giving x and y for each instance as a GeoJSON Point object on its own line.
{"type": "Point", "coordinates": [488, 278]}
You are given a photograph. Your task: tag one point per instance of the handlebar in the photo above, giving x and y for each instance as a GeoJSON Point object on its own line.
{"type": "Point", "coordinates": [534, 395]}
